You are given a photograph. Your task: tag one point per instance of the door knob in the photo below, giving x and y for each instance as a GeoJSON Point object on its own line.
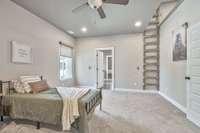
{"type": "Point", "coordinates": [187, 78]}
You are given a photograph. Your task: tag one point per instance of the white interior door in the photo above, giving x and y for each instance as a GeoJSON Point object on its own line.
{"type": "Point", "coordinates": [193, 106]}
{"type": "Point", "coordinates": [100, 69]}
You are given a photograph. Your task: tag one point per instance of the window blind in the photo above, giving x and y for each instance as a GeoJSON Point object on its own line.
{"type": "Point", "coordinates": [66, 51]}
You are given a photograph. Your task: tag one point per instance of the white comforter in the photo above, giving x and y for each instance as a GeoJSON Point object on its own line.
{"type": "Point", "coordinates": [70, 98]}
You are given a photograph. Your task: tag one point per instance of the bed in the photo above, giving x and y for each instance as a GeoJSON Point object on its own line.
{"type": "Point", "coordinates": [46, 107]}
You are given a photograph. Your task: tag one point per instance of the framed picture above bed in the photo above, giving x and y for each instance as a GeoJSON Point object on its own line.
{"type": "Point", "coordinates": [21, 53]}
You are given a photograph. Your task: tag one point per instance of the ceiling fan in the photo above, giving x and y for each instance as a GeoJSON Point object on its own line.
{"type": "Point", "coordinates": [97, 4]}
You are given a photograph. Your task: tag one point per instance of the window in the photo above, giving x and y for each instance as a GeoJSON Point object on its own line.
{"type": "Point", "coordinates": [66, 62]}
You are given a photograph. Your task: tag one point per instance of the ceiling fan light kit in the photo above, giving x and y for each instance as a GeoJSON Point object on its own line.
{"type": "Point", "coordinates": [95, 4]}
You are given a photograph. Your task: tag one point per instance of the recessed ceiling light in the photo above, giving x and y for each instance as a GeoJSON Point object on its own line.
{"type": "Point", "coordinates": [70, 32]}
{"type": "Point", "coordinates": [84, 29]}
{"type": "Point", "coordinates": [138, 24]}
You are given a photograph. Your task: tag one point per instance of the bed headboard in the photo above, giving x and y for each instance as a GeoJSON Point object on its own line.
{"type": "Point", "coordinates": [9, 85]}
{"type": "Point", "coordinates": [5, 84]}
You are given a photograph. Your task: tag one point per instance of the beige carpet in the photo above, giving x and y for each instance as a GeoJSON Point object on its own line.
{"type": "Point", "coordinates": [123, 113]}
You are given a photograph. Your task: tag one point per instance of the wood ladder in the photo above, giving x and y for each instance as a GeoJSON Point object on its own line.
{"type": "Point", "coordinates": [151, 74]}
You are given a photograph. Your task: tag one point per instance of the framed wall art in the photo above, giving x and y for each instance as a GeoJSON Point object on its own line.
{"type": "Point", "coordinates": [21, 53]}
{"type": "Point", "coordinates": [180, 43]}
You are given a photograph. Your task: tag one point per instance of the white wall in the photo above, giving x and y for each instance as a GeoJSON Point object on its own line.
{"type": "Point", "coordinates": [172, 73]}
{"type": "Point", "coordinates": [128, 55]}
{"type": "Point", "coordinates": [20, 25]}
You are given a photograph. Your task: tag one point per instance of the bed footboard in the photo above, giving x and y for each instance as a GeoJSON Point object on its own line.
{"type": "Point", "coordinates": [93, 102]}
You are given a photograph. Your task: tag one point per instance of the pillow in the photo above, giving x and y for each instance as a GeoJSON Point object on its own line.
{"type": "Point", "coordinates": [29, 79]}
{"type": "Point", "coordinates": [18, 86]}
{"type": "Point", "coordinates": [39, 86]}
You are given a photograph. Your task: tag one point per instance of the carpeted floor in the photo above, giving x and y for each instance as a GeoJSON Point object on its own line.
{"type": "Point", "coordinates": [123, 112]}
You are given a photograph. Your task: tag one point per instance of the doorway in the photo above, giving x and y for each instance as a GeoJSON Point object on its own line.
{"type": "Point", "coordinates": [105, 68]}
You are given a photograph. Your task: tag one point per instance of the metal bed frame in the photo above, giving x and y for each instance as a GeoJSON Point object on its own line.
{"type": "Point", "coordinates": [89, 106]}
{"type": "Point", "coordinates": [3, 110]}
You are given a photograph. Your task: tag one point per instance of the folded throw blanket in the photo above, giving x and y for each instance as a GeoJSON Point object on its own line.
{"type": "Point", "coordinates": [70, 97]}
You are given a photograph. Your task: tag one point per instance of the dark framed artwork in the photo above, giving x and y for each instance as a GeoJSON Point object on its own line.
{"type": "Point", "coordinates": [180, 43]}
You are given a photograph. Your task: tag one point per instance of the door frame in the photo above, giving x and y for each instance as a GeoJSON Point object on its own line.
{"type": "Point", "coordinates": [113, 65]}
{"type": "Point", "coordinates": [188, 74]}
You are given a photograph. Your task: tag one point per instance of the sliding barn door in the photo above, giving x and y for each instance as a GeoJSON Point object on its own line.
{"type": "Point", "coordinates": [100, 69]}
{"type": "Point", "coordinates": [194, 74]}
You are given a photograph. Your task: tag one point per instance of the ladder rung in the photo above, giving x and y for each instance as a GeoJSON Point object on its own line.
{"type": "Point", "coordinates": [152, 78]}
{"type": "Point", "coordinates": [154, 60]}
{"type": "Point", "coordinates": [150, 84]}
{"type": "Point", "coordinates": [150, 30]}
{"type": "Point", "coordinates": [148, 66]}
{"type": "Point", "coordinates": [151, 64]}
{"type": "Point", "coordinates": [150, 36]}
{"type": "Point", "coordinates": [151, 71]}
{"type": "Point", "coordinates": [150, 43]}
{"type": "Point", "coordinates": [150, 50]}
{"type": "Point", "coordinates": [154, 23]}
{"type": "Point", "coordinates": [155, 16]}
{"type": "Point", "coordinates": [151, 57]}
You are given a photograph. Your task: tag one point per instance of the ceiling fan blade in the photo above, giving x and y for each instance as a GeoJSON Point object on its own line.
{"type": "Point", "coordinates": [101, 12]}
{"type": "Point", "coordinates": [121, 2]}
{"type": "Point", "coordinates": [79, 8]}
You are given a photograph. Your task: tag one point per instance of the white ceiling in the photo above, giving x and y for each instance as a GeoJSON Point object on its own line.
{"type": "Point", "coordinates": [120, 19]}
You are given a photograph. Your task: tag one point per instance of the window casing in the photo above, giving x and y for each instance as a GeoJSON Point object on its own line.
{"type": "Point", "coordinates": [66, 62]}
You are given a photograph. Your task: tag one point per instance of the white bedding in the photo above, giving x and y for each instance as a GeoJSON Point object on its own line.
{"type": "Point", "coordinates": [70, 98]}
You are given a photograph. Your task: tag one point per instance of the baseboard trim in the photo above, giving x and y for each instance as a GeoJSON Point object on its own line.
{"type": "Point", "coordinates": [193, 120]}
{"type": "Point", "coordinates": [179, 106]}
{"type": "Point", "coordinates": [135, 90]}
